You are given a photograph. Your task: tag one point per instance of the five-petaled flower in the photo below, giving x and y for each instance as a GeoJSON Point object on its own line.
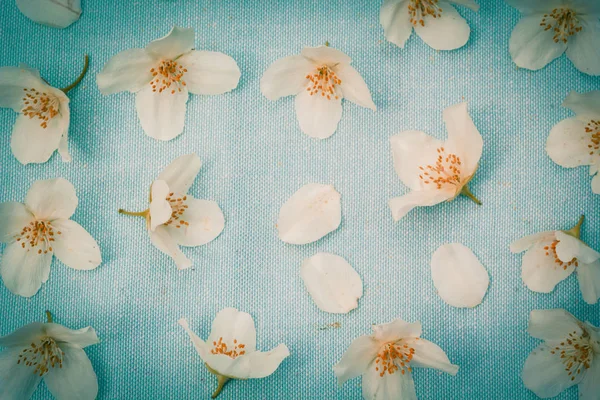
{"type": "Point", "coordinates": [174, 217]}
{"type": "Point", "coordinates": [54, 13]}
{"type": "Point", "coordinates": [386, 360]}
{"type": "Point", "coordinates": [36, 230]}
{"type": "Point", "coordinates": [436, 171]}
{"type": "Point", "coordinates": [230, 351]}
{"type": "Point", "coordinates": [435, 21]}
{"type": "Point", "coordinates": [51, 352]}
{"type": "Point", "coordinates": [162, 74]}
{"type": "Point", "coordinates": [574, 142]}
{"type": "Point", "coordinates": [570, 355]}
{"type": "Point", "coordinates": [551, 27]}
{"type": "Point", "coordinates": [319, 77]}
{"type": "Point", "coordinates": [552, 256]}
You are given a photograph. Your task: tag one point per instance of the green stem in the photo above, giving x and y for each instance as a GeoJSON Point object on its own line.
{"type": "Point", "coordinates": [576, 230]}
{"type": "Point", "coordinates": [222, 380]}
{"type": "Point", "coordinates": [49, 316]}
{"type": "Point", "coordinates": [134, 214]}
{"type": "Point", "coordinates": [86, 63]}
{"type": "Point", "coordinates": [467, 192]}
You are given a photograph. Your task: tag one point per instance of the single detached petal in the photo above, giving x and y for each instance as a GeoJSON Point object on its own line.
{"type": "Point", "coordinates": [569, 248]}
{"type": "Point", "coordinates": [540, 271]}
{"type": "Point", "coordinates": [567, 144]}
{"type": "Point", "coordinates": [531, 46]}
{"type": "Point", "coordinates": [77, 337]}
{"type": "Point", "coordinates": [13, 218]}
{"type": "Point", "coordinates": [458, 276]}
{"type": "Point", "coordinates": [74, 246]}
{"type": "Point", "coordinates": [448, 31]}
{"type": "Point", "coordinates": [75, 379]}
{"type": "Point", "coordinates": [23, 270]}
{"type": "Point", "coordinates": [586, 105]}
{"type": "Point", "coordinates": [382, 386]}
{"type": "Point", "coordinates": [552, 325]}
{"type": "Point", "coordinates": [32, 143]}
{"type": "Point", "coordinates": [286, 77]}
{"type": "Point", "coordinates": [54, 13]}
{"type": "Point", "coordinates": [163, 241]}
{"type": "Point", "coordinates": [400, 206]}
{"type": "Point", "coordinates": [52, 199]}
{"type": "Point", "coordinates": [13, 81]}
{"type": "Point", "coordinates": [17, 383]}
{"type": "Point", "coordinates": [588, 276]}
{"type": "Point", "coordinates": [395, 20]}
{"type": "Point", "coordinates": [396, 330]}
{"type": "Point", "coordinates": [311, 213]}
{"type": "Point", "coordinates": [23, 336]}
{"type": "Point", "coordinates": [162, 114]}
{"type": "Point", "coordinates": [181, 173]}
{"type": "Point", "coordinates": [127, 70]}
{"type": "Point", "coordinates": [317, 115]}
{"type": "Point", "coordinates": [232, 325]}
{"type": "Point", "coordinates": [430, 355]}
{"type": "Point", "coordinates": [333, 284]}
{"type": "Point", "coordinates": [584, 47]}
{"type": "Point", "coordinates": [160, 209]}
{"type": "Point", "coordinates": [525, 243]}
{"type": "Point", "coordinates": [464, 139]}
{"type": "Point", "coordinates": [325, 55]}
{"type": "Point", "coordinates": [545, 374]}
{"type": "Point", "coordinates": [209, 72]}
{"type": "Point", "coordinates": [354, 87]}
{"type": "Point", "coordinates": [589, 385]}
{"type": "Point", "coordinates": [204, 221]}
{"type": "Point", "coordinates": [357, 358]}
{"type": "Point", "coordinates": [177, 42]}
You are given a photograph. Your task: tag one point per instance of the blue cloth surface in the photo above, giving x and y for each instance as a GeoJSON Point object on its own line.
{"type": "Point", "coordinates": [255, 157]}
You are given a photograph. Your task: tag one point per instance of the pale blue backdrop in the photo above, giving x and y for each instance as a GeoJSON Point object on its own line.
{"type": "Point", "coordinates": [255, 157]}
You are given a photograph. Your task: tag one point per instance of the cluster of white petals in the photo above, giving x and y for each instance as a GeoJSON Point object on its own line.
{"type": "Point", "coordinates": [54, 13]}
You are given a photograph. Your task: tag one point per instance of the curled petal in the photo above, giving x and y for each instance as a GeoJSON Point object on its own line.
{"type": "Point", "coordinates": [209, 72]}
{"type": "Point", "coordinates": [75, 379]}
{"type": "Point", "coordinates": [17, 383]}
{"type": "Point", "coordinates": [160, 209]}
{"type": "Point", "coordinates": [74, 246]}
{"type": "Point", "coordinates": [14, 216]}
{"type": "Point", "coordinates": [127, 70]}
{"type": "Point", "coordinates": [569, 248]}
{"type": "Point", "coordinates": [163, 241]}
{"type": "Point", "coordinates": [354, 88]}
{"type": "Point", "coordinates": [531, 46]}
{"type": "Point", "coordinates": [181, 173]}
{"type": "Point", "coordinates": [325, 55]}
{"type": "Point", "coordinates": [584, 47]}
{"type": "Point", "coordinates": [567, 144]}
{"type": "Point", "coordinates": [204, 221]}
{"type": "Point", "coordinates": [545, 374]}
{"type": "Point", "coordinates": [540, 271]}
{"type": "Point", "coordinates": [177, 42]}
{"type": "Point", "coordinates": [77, 337]}
{"type": "Point", "coordinates": [54, 13]}
{"type": "Point", "coordinates": [552, 325]}
{"type": "Point", "coordinates": [396, 330]}
{"type": "Point", "coordinates": [449, 31]}
{"type": "Point", "coordinates": [401, 206]}
{"type": "Point", "coordinates": [23, 269]}
{"type": "Point", "coordinates": [356, 359]}
{"type": "Point", "coordinates": [464, 139]}
{"type": "Point", "coordinates": [395, 20]}
{"type": "Point", "coordinates": [588, 276]}
{"type": "Point", "coordinates": [430, 355]}
{"type": "Point", "coordinates": [285, 77]}
{"type": "Point", "coordinates": [162, 114]}
{"type": "Point", "coordinates": [317, 115]}
{"type": "Point", "coordinates": [52, 199]}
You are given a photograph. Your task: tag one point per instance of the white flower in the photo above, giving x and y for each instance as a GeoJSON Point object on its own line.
{"type": "Point", "coordinates": [576, 141]}
{"type": "Point", "coordinates": [311, 213]}
{"type": "Point", "coordinates": [552, 256]}
{"type": "Point", "coordinates": [175, 218]}
{"type": "Point", "coordinates": [162, 74]}
{"type": "Point", "coordinates": [570, 355]}
{"type": "Point", "coordinates": [333, 284]}
{"type": "Point", "coordinates": [436, 171]}
{"type": "Point", "coordinates": [435, 21]}
{"type": "Point", "coordinates": [551, 27]}
{"type": "Point", "coordinates": [386, 360]}
{"type": "Point", "coordinates": [50, 352]}
{"type": "Point", "coordinates": [458, 276]}
{"type": "Point", "coordinates": [39, 228]}
{"type": "Point", "coordinates": [54, 13]}
{"type": "Point", "coordinates": [230, 350]}
{"type": "Point", "coordinates": [319, 77]}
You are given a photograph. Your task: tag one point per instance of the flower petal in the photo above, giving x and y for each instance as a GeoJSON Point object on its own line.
{"type": "Point", "coordinates": [544, 373]}
{"type": "Point", "coordinates": [525, 243]}
{"type": "Point", "coordinates": [75, 379]}
{"type": "Point", "coordinates": [464, 139]}
{"type": "Point", "coordinates": [285, 77]}
{"type": "Point", "coordinates": [584, 104]}
{"type": "Point", "coordinates": [263, 364]}
{"type": "Point", "coordinates": [181, 173]}
{"type": "Point", "coordinates": [74, 246]}
{"type": "Point", "coordinates": [160, 209]}
{"type": "Point", "coordinates": [325, 55]}
{"type": "Point", "coordinates": [596, 184]}
{"type": "Point", "coordinates": [395, 20]}
{"type": "Point", "coordinates": [458, 276]}
{"type": "Point", "coordinates": [18, 382]}
{"type": "Point", "coordinates": [311, 213]}
{"type": "Point", "coordinates": [54, 13]}
{"type": "Point", "coordinates": [209, 72]}
{"type": "Point", "coordinates": [77, 337]}
{"type": "Point", "coordinates": [567, 144]}
{"type": "Point", "coordinates": [204, 221]}
{"type": "Point", "coordinates": [584, 47]}
{"type": "Point", "coordinates": [332, 283]}
{"type": "Point", "coordinates": [127, 70]}
{"type": "Point", "coordinates": [552, 325]}
{"type": "Point", "coordinates": [447, 32]}
{"type": "Point", "coordinates": [402, 205]}
{"type": "Point", "coordinates": [535, 6]}
{"type": "Point", "coordinates": [588, 387]}
{"type": "Point", "coordinates": [177, 42]}
{"type": "Point", "coordinates": [12, 82]}
{"type": "Point", "coordinates": [531, 46]}
{"type": "Point", "coordinates": [52, 199]}
{"type": "Point", "coordinates": [162, 114]}
{"type": "Point", "coordinates": [31, 143]}
{"type": "Point", "coordinates": [396, 330]}
{"type": "Point", "coordinates": [357, 358]}
{"type": "Point", "coordinates": [353, 87]}
{"type": "Point", "coordinates": [472, 4]}
{"type": "Point", "coordinates": [540, 272]}
{"type": "Point", "coordinates": [387, 386]}
{"type": "Point", "coordinates": [412, 150]}
{"type": "Point", "coordinates": [23, 336]}
{"type": "Point", "coordinates": [229, 325]}
{"type": "Point", "coordinates": [569, 248]}
{"type": "Point", "coordinates": [430, 355]}
{"type": "Point", "coordinates": [163, 241]}
{"type": "Point", "coordinates": [318, 116]}
{"type": "Point", "coordinates": [588, 276]}
{"type": "Point", "coordinates": [199, 344]}
{"type": "Point", "coordinates": [23, 270]}
{"type": "Point", "coordinates": [14, 217]}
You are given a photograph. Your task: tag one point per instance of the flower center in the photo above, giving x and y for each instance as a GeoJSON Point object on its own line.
{"type": "Point", "coordinates": [45, 355]}
{"type": "Point", "coordinates": [42, 106]}
{"type": "Point", "coordinates": [576, 353]}
{"type": "Point", "coordinates": [168, 76]}
{"type": "Point", "coordinates": [551, 251]}
{"type": "Point", "coordinates": [445, 172]}
{"type": "Point", "coordinates": [593, 127]}
{"type": "Point", "coordinates": [323, 81]}
{"type": "Point", "coordinates": [393, 357]}
{"type": "Point", "coordinates": [563, 22]}
{"type": "Point", "coordinates": [37, 234]}
{"type": "Point", "coordinates": [221, 348]}
{"type": "Point", "coordinates": [178, 207]}
{"type": "Point", "coordinates": [419, 10]}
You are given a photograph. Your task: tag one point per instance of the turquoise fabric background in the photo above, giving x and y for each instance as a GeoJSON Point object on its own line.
{"type": "Point", "coordinates": [255, 157]}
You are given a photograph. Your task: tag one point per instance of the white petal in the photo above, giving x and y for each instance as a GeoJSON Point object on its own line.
{"type": "Point", "coordinates": [163, 241]}
{"type": "Point", "coordinates": [23, 336]}
{"type": "Point", "coordinates": [540, 272]}
{"type": "Point", "coordinates": [535, 6]}
{"type": "Point", "coordinates": [412, 150]}
{"type": "Point", "coordinates": [395, 20]}
{"type": "Point", "coordinates": [353, 87]}
{"type": "Point", "coordinates": [464, 139]}
{"type": "Point", "coordinates": [14, 217]}
{"type": "Point", "coordinates": [448, 32]}
{"type": "Point", "coordinates": [54, 13]}
{"type": "Point", "coordinates": [594, 168]}
{"type": "Point", "coordinates": [181, 173]}
{"type": "Point", "coordinates": [596, 184]}
{"type": "Point", "coordinates": [356, 359]}
{"type": "Point", "coordinates": [127, 70]}
{"type": "Point", "coordinates": [204, 221]}
{"type": "Point", "coordinates": [318, 116]}
{"type": "Point", "coordinates": [160, 209]}
{"type": "Point", "coordinates": [209, 72]}
{"type": "Point", "coordinates": [333, 284]}
{"type": "Point", "coordinates": [531, 46]}
{"type": "Point", "coordinates": [31, 143]}
{"type": "Point", "coordinates": [588, 276]}
{"type": "Point", "coordinates": [63, 144]}
{"type": "Point", "coordinates": [177, 42]}
{"type": "Point", "coordinates": [18, 381]}
{"type": "Point", "coordinates": [584, 47]}
{"type": "Point", "coordinates": [584, 104]}
{"type": "Point", "coordinates": [51, 199]}
{"type": "Point", "coordinates": [402, 205]}
{"type": "Point", "coordinates": [311, 213]}
{"type": "Point", "coordinates": [552, 325]}
{"type": "Point", "coordinates": [325, 55]}
{"type": "Point", "coordinates": [77, 337]}
{"type": "Point", "coordinates": [23, 270]}
{"type": "Point", "coordinates": [199, 344]}
{"type": "Point", "coordinates": [472, 4]}
{"type": "Point", "coordinates": [76, 378]}
{"type": "Point", "coordinates": [12, 82]}
{"type": "Point", "coordinates": [229, 325]}
{"type": "Point", "coordinates": [263, 364]}
{"type": "Point", "coordinates": [544, 373]}
{"type": "Point", "coordinates": [74, 246]}
{"type": "Point", "coordinates": [285, 77]}
{"type": "Point", "coordinates": [162, 114]}
{"type": "Point", "coordinates": [589, 387]}
{"type": "Point", "coordinates": [567, 144]}
{"type": "Point", "coordinates": [387, 387]}
{"type": "Point", "coordinates": [430, 355]}
{"type": "Point", "coordinates": [396, 330]}
{"type": "Point", "coordinates": [458, 276]}
{"type": "Point", "coordinates": [527, 242]}
{"type": "Point", "coordinates": [569, 248]}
